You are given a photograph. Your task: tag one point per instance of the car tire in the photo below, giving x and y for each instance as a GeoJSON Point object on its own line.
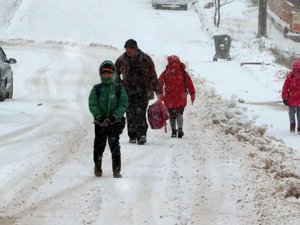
{"type": "Point", "coordinates": [2, 92]}
{"type": "Point", "coordinates": [11, 91]}
{"type": "Point", "coordinates": [157, 6]}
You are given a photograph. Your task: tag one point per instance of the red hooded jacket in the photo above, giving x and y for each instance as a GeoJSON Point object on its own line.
{"type": "Point", "coordinates": [175, 83]}
{"type": "Point", "coordinates": [291, 88]}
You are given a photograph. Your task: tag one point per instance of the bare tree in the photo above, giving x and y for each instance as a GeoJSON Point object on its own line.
{"type": "Point", "coordinates": [262, 18]}
{"type": "Point", "coordinates": [218, 5]}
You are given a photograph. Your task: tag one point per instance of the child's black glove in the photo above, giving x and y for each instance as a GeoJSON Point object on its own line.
{"type": "Point", "coordinates": [112, 119]}
{"type": "Point", "coordinates": [285, 101]}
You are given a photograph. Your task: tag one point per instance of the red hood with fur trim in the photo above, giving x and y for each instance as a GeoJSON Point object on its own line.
{"type": "Point", "coordinates": [173, 84]}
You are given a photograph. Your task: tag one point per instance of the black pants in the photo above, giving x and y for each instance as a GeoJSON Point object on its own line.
{"type": "Point", "coordinates": [102, 134]}
{"type": "Point", "coordinates": [137, 125]}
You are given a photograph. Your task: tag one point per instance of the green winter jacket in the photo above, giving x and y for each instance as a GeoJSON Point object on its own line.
{"type": "Point", "coordinates": [108, 104]}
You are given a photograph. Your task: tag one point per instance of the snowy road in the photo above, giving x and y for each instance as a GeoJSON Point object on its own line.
{"type": "Point", "coordinates": [49, 177]}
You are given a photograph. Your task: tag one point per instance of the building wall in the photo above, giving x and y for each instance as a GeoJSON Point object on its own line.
{"type": "Point", "coordinates": [288, 11]}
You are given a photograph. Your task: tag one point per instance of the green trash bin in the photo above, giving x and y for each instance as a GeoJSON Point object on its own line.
{"type": "Point", "coordinates": [222, 47]}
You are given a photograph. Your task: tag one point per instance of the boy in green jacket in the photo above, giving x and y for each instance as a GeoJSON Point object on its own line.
{"type": "Point", "coordinates": [108, 102]}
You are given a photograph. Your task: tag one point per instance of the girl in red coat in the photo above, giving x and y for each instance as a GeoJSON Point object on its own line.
{"type": "Point", "coordinates": [291, 95]}
{"type": "Point", "coordinates": [176, 83]}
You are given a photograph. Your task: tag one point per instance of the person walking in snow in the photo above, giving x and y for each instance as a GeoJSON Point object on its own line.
{"type": "Point", "coordinates": [136, 71]}
{"type": "Point", "coordinates": [108, 102]}
{"type": "Point", "coordinates": [176, 83]}
{"type": "Point", "coordinates": [291, 95]}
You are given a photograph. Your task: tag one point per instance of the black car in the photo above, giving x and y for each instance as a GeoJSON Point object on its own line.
{"type": "Point", "coordinates": [6, 76]}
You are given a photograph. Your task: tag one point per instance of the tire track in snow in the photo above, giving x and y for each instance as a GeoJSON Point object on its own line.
{"type": "Point", "coordinates": [9, 14]}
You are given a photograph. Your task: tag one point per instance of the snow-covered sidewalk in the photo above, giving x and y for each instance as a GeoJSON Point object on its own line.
{"type": "Point", "coordinates": [227, 169]}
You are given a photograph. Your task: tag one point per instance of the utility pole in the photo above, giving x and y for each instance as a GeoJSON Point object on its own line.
{"type": "Point", "coordinates": [262, 18]}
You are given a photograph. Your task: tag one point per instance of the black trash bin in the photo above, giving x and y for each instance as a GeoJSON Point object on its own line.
{"type": "Point", "coordinates": [222, 46]}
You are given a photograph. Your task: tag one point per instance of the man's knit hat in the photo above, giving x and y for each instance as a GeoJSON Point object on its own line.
{"type": "Point", "coordinates": [131, 44]}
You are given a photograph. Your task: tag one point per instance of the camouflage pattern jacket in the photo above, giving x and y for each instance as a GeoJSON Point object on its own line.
{"type": "Point", "coordinates": [137, 75]}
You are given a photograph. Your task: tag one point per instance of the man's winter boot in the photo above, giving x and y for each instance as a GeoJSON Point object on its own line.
{"type": "Point", "coordinates": [180, 133]}
{"type": "Point", "coordinates": [97, 171]}
{"type": "Point", "coordinates": [142, 140]}
{"type": "Point", "coordinates": [298, 129]}
{"type": "Point", "coordinates": [174, 133]}
{"type": "Point", "coordinates": [117, 174]}
{"type": "Point", "coordinates": [132, 140]}
{"type": "Point", "coordinates": [292, 127]}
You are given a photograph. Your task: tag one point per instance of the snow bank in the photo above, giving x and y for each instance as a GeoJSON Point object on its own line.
{"type": "Point", "coordinates": [276, 180]}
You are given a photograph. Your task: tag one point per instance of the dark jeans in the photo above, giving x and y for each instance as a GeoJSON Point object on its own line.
{"type": "Point", "coordinates": [101, 135]}
{"type": "Point", "coordinates": [176, 117]}
{"type": "Point", "coordinates": [137, 125]}
{"type": "Point", "coordinates": [174, 112]}
{"type": "Point", "coordinates": [293, 112]}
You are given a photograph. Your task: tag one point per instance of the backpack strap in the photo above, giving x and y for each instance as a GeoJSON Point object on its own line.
{"type": "Point", "coordinates": [98, 89]}
{"type": "Point", "coordinates": [118, 88]}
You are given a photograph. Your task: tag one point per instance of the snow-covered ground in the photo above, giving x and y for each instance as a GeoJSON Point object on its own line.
{"type": "Point", "coordinates": [235, 164]}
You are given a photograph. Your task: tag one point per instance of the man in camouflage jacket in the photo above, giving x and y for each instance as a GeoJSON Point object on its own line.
{"type": "Point", "coordinates": [136, 71]}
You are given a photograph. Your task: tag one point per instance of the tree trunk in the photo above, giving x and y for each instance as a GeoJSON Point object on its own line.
{"type": "Point", "coordinates": [262, 18]}
{"type": "Point", "coordinates": [215, 15]}
{"type": "Point", "coordinates": [219, 14]}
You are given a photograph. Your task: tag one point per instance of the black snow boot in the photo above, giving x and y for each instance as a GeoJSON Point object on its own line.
{"type": "Point", "coordinates": [132, 140]}
{"type": "Point", "coordinates": [292, 127]}
{"type": "Point", "coordinates": [97, 171]}
{"type": "Point", "coordinates": [180, 133]}
{"type": "Point", "coordinates": [174, 133]}
{"type": "Point", "coordinates": [142, 140]}
{"type": "Point", "coordinates": [117, 174]}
